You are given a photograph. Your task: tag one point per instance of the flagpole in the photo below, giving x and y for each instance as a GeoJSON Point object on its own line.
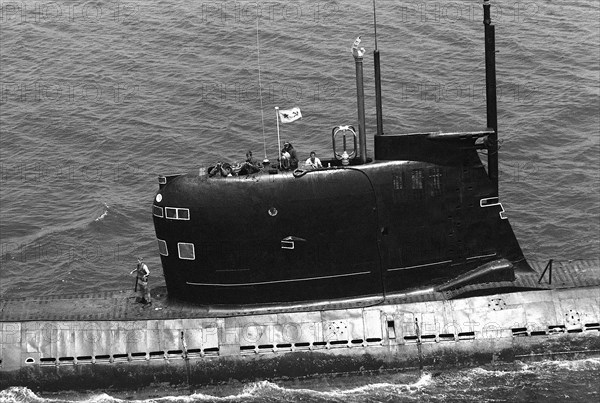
{"type": "Point", "coordinates": [278, 138]}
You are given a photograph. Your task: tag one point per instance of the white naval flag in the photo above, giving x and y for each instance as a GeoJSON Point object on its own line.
{"type": "Point", "coordinates": [289, 115]}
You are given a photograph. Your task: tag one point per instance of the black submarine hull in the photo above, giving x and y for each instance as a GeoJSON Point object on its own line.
{"type": "Point", "coordinates": [344, 231]}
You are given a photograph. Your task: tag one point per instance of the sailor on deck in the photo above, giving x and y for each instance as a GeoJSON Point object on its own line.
{"type": "Point", "coordinates": [142, 281]}
{"type": "Point", "coordinates": [313, 161]}
{"type": "Point", "coordinates": [289, 159]}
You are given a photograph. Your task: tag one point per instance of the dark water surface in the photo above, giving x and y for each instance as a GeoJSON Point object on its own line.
{"type": "Point", "coordinates": [99, 98]}
{"type": "Point", "coordinates": [550, 381]}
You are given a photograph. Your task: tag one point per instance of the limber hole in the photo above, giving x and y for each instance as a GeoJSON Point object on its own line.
{"type": "Point", "coordinates": [174, 352]}
{"type": "Point", "coordinates": [592, 326]}
{"type": "Point", "coordinates": [157, 354]}
{"type": "Point", "coordinates": [66, 359]}
{"type": "Point", "coordinates": [338, 342]}
{"type": "Point", "coordinates": [284, 345]}
{"type": "Point", "coordinates": [519, 331]}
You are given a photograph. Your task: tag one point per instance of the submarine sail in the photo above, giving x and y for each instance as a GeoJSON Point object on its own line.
{"type": "Point", "coordinates": [422, 213]}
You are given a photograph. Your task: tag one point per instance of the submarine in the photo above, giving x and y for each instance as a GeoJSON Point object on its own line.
{"type": "Point", "coordinates": [400, 260]}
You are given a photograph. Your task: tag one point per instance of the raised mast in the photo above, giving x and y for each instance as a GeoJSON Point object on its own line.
{"type": "Point", "coordinates": [358, 54]}
{"type": "Point", "coordinates": [378, 108]}
{"type": "Point", "coordinates": [490, 94]}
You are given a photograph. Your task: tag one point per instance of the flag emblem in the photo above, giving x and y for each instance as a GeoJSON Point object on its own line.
{"type": "Point", "coordinates": [290, 115]}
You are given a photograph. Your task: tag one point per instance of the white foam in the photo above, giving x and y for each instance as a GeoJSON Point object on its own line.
{"type": "Point", "coordinates": [104, 214]}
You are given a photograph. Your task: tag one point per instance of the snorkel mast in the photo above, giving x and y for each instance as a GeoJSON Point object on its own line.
{"type": "Point", "coordinates": [377, 79]}
{"type": "Point", "coordinates": [358, 54]}
{"type": "Point", "coordinates": [490, 95]}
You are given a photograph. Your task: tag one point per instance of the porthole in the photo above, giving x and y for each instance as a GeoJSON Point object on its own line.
{"type": "Point", "coordinates": [162, 247]}
{"type": "Point", "coordinates": [186, 251]}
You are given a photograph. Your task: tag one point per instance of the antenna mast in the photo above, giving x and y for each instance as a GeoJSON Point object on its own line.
{"type": "Point", "coordinates": [378, 107]}
{"type": "Point", "coordinates": [262, 114]}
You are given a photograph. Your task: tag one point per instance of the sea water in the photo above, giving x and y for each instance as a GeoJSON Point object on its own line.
{"type": "Point", "coordinates": [99, 98]}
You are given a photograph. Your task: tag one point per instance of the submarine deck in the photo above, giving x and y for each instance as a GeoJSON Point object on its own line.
{"type": "Point", "coordinates": [116, 305]}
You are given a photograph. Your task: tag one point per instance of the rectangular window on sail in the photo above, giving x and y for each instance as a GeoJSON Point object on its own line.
{"type": "Point", "coordinates": [186, 251]}
{"type": "Point", "coordinates": [157, 211]}
{"type": "Point", "coordinates": [417, 179]}
{"type": "Point", "coordinates": [162, 248]}
{"type": "Point", "coordinates": [177, 213]}
{"type": "Point", "coordinates": [397, 181]}
{"type": "Point", "coordinates": [435, 177]}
